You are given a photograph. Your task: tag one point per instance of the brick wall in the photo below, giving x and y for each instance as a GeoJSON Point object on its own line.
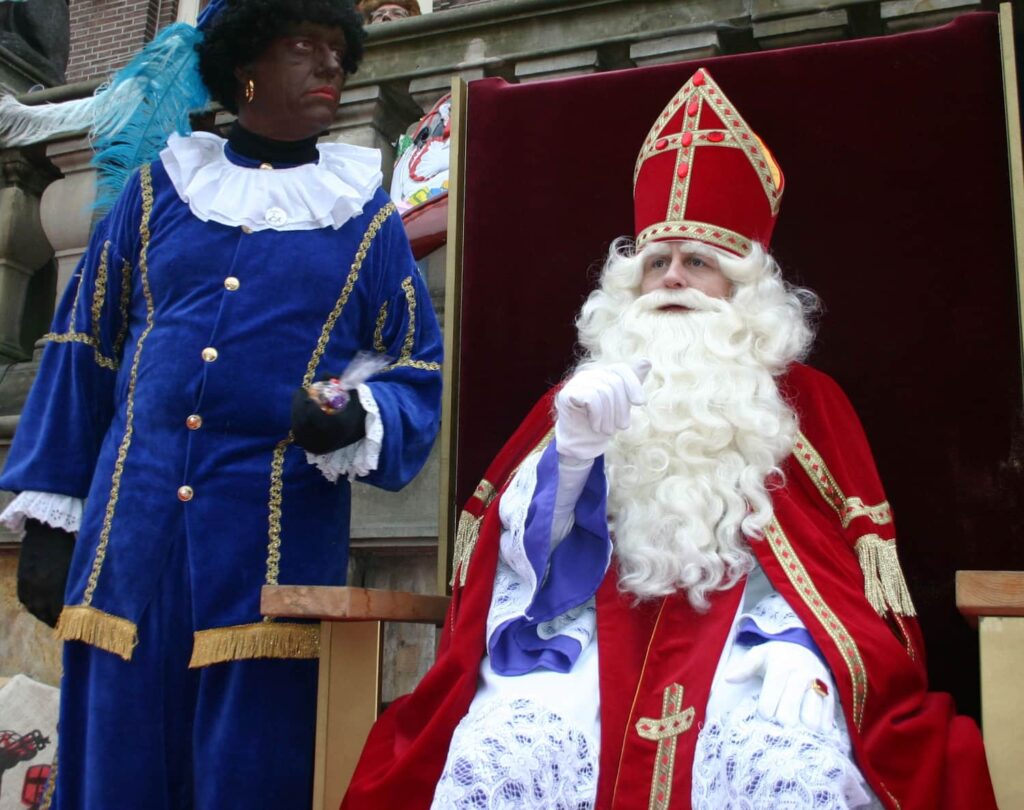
{"type": "Point", "coordinates": [105, 34]}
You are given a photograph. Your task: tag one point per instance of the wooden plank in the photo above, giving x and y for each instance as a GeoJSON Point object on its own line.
{"type": "Point", "coordinates": [344, 604]}
{"type": "Point", "coordinates": [990, 593]}
{"type": "Point", "coordinates": [1002, 705]}
{"type": "Point", "coordinates": [348, 699]}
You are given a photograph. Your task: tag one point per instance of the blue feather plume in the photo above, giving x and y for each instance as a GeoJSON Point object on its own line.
{"type": "Point", "coordinates": [146, 101]}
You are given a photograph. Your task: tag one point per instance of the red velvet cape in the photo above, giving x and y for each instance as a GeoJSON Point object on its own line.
{"type": "Point", "coordinates": [910, 745]}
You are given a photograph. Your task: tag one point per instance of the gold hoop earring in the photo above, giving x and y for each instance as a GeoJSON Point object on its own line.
{"type": "Point", "coordinates": [250, 91]}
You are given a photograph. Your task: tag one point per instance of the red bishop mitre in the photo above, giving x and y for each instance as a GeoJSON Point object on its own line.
{"type": "Point", "coordinates": [703, 174]}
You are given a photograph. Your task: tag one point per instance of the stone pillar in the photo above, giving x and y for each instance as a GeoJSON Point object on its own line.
{"type": "Point", "coordinates": [374, 115]}
{"type": "Point", "coordinates": [24, 249]}
{"type": "Point", "coordinates": [66, 208]}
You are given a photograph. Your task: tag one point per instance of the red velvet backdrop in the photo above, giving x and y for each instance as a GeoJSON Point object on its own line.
{"type": "Point", "coordinates": [896, 212]}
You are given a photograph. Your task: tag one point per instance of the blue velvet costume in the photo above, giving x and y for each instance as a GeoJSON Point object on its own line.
{"type": "Point", "coordinates": [163, 399]}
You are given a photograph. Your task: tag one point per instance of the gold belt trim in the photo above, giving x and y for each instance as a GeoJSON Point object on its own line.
{"type": "Point", "coordinates": [265, 639]}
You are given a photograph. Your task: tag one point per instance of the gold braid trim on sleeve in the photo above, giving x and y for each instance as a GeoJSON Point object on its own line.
{"type": "Point", "coordinates": [405, 355]}
{"type": "Point", "coordinates": [266, 639]}
{"type": "Point", "coordinates": [847, 508]}
{"type": "Point", "coordinates": [89, 625]}
{"type": "Point", "coordinates": [884, 585]}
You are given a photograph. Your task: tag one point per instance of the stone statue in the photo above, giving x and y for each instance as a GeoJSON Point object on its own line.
{"type": "Point", "coordinates": [37, 32]}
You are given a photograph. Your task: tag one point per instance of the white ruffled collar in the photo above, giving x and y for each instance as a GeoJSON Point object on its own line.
{"type": "Point", "coordinates": [313, 195]}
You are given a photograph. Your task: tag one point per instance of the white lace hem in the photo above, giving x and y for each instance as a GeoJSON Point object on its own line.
{"type": "Point", "coordinates": [59, 511]}
{"type": "Point", "coordinates": [314, 195]}
{"type": "Point", "coordinates": [360, 458]}
{"type": "Point", "coordinates": [517, 755]}
{"type": "Point", "coordinates": [744, 762]}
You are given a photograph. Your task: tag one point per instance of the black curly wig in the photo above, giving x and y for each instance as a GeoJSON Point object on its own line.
{"type": "Point", "coordinates": [244, 29]}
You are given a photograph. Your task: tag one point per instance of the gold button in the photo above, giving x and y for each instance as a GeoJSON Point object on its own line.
{"type": "Point", "coordinates": [185, 494]}
{"type": "Point", "coordinates": [232, 283]}
{"type": "Point", "coordinates": [194, 422]}
{"type": "Point", "coordinates": [266, 166]}
{"type": "Point", "coordinates": [209, 354]}
{"type": "Point", "coordinates": [246, 229]}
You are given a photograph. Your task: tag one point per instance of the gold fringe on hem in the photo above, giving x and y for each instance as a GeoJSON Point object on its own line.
{"type": "Point", "coordinates": [466, 535]}
{"type": "Point", "coordinates": [262, 640]}
{"type": "Point", "coordinates": [884, 585]}
{"type": "Point", "coordinates": [104, 630]}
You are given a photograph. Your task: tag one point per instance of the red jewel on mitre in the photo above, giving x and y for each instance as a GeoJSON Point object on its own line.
{"type": "Point", "coordinates": [703, 174]}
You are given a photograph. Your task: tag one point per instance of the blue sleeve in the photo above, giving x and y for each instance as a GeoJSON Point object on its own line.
{"type": "Point", "coordinates": [408, 392]}
{"type": "Point", "coordinates": [71, 403]}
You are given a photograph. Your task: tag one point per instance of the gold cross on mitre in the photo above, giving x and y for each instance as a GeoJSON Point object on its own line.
{"type": "Point", "coordinates": [665, 730]}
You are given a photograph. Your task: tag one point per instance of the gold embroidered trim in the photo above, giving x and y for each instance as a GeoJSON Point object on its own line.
{"type": "Point", "coordinates": [126, 440]}
{"type": "Point", "coordinates": [405, 356]}
{"type": "Point", "coordinates": [805, 586]}
{"type": "Point", "coordinates": [665, 730]}
{"type": "Point", "coordinates": [51, 783]}
{"type": "Point", "coordinates": [485, 491]}
{"type": "Point", "coordinates": [88, 340]}
{"type": "Point", "coordinates": [847, 508]}
{"type": "Point", "coordinates": [410, 332]}
{"type": "Point", "coordinates": [99, 293]}
{"type": "Point", "coordinates": [277, 462]}
{"type": "Point", "coordinates": [260, 640]}
{"type": "Point", "coordinates": [126, 295]}
{"type": "Point", "coordinates": [87, 624]}
{"type": "Point", "coordinates": [705, 232]}
{"type": "Point", "coordinates": [884, 585]}
{"type": "Point", "coordinates": [378, 332]}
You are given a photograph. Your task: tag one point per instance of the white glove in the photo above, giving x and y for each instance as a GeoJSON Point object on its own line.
{"type": "Point", "coordinates": [794, 679]}
{"type": "Point", "coordinates": [594, 404]}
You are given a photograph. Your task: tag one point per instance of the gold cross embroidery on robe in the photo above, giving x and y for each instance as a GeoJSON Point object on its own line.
{"type": "Point", "coordinates": [665, 731]}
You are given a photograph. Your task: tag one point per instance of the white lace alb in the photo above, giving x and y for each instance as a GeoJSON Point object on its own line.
{"type": "Point", "coordinates": [517, 756]}
{"type": "Point", "coordinates": [313, 195]}
{"type": "Point", "coordinates": [745, 762]}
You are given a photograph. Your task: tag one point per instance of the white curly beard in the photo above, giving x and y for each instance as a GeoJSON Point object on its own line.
{"type": "Point", "coordinates": [688, 477]}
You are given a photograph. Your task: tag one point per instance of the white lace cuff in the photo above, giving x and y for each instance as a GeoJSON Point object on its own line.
{"type": "Point", "coordinates": [59, 511]}
{"type": "Point", "coordinates": [360, 458]}
{"type": "Point", "coordinates": [773, 615]}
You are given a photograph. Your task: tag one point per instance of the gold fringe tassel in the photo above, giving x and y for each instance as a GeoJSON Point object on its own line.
{"type": "Point", "coordinates": [104, 630]}
{"type": "Point", "coordinates": [466, 535]}
{"type": "Point", "coordinates": [262, 640]}
{"type": "Point", "coordinates": [884, 585]}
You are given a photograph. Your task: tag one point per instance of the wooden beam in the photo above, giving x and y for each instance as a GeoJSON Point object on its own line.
{"type": "Point", "coordinates": [990, 593]}
{"type": "Point", "coordinates": [343, 604]}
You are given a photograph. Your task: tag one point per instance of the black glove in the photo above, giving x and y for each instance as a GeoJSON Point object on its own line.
{"type": "Point", "coordinates": [43, 570]}
{"type": "Point", "coordinates": [320, 432]}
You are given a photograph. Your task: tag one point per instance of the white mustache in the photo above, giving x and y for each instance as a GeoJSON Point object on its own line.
{"type": "Point", "coordinates": [689, 298]}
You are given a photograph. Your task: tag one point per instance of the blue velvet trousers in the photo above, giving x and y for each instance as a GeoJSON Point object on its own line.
{"type": "Point", "coordinates": [151, 734]}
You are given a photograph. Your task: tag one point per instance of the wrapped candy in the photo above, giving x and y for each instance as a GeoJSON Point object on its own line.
{"type": "Point", "coordinates": [332, 394]}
